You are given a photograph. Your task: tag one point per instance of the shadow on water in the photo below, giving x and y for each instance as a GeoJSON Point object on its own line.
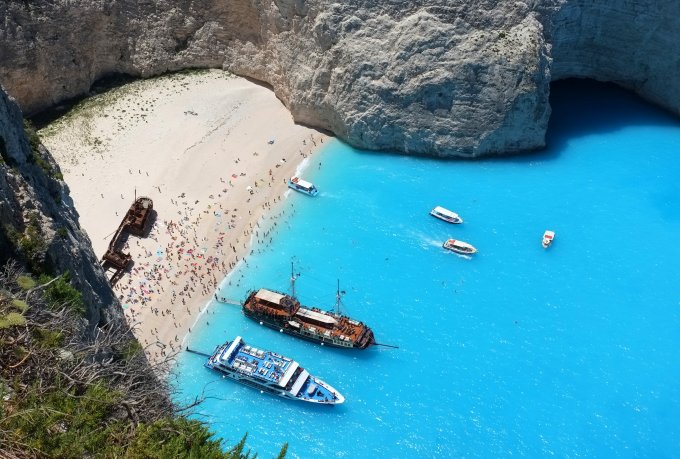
{"type": "Point", "coordinates": [580, 107]}
{"type": "Point", "coordinates": [585, 107]}
{"type": "Point", "coordinates": [371, 353]}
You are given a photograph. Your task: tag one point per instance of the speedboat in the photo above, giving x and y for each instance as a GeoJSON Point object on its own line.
{"type": "Point", "coordinates": [270, 372]}
{"type": "Point", "coordinates": [446, 215]}
{"type": "Point", "coordinates": [297, 184]}
{"type": "Point", "coordinates": [548, 237]}
{"type": "Point", "coordinates": [459, 247]}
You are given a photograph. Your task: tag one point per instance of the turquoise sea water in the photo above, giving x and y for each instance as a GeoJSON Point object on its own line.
{"type": "Point", "coordinates": [517, 351]}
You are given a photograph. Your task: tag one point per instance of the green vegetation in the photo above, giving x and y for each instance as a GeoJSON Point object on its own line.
{"type": "Point", "coordinates": [67, 424]}
{"type": "Point", "coordinates": [61, 293]}
{"type": "Point", "coordinates": [21, 305]}
{"type": "Point", "coordinates": [11, 319]}
{"type": "Point", "coordinates": [131, 349]}
{"type": "Point", "coordinates": [11, 232]}
{"type": "Point", "coordinates": [192, 439]}
{"type": "Point", "coordinates": [189, 72]}
{"type": "Point", "coordinates": [36, 154]}
{"type": "Point", "coordinates": [33, 137]}
{"type": "Point", "coordinates": [26, 282]}
{"type": "Point", "coordinates": [124, 106]}
{"type": "Point", "coordinates": [98, 397]}
{"type": "Point", "coordinates": [47, 339]}
{"type": "Point", "coordinates": [11, 310]}
{"type": "Point", "coordinates": [32, 244]}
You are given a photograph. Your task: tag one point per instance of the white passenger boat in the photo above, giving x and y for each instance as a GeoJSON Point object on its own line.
{"type": "Point", "coordinates": [270, 372]}
{"type": "Point", "coordinates": [446, 215]}
{"type": "Point", "coordinates": [548, 237]}
{"type": "Point", "coordinates": [459, 247]}
{"type": "Point", "coordinates": [297, 184]}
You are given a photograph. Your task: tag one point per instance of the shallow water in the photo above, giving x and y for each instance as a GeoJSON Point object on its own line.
{"type": "Point", "coordinates": [516, 350]}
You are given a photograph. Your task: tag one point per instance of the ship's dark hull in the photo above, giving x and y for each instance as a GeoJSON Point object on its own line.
{"type": "Point", "coordinates": [283, 327]}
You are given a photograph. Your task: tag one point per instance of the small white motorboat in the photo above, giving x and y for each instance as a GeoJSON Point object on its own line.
{"type": "Point", "coordinates": [459, 247]}
{"type": "Point", "coordinates": [446, 215]}
{"type": "Point", "coordinates": [548, 237]}
{"type": "Point", "coordinates": [297, 184]}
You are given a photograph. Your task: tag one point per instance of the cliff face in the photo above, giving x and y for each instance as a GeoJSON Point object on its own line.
{"type": "Point", "coordinates": [633, 44]}
{"type": "Point", "coordinates": [453, 78]}
{"type": "Point", "coordinates": [38, 224]}
{"type": "Point", "coordinates": [437, 77]}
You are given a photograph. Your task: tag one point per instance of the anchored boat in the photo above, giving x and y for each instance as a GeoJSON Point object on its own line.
{"type": "Point", "coordinates": [446, 215]}
{"type": "Point", "coordinates": [459, 247]}
{"type": "Point", "coordinates": [284, 313]}
{"type": "Point", "coordinates": [297, 184]}
{"type": "Point", "coordinates": [548, 237]}
{"type": "Point", "coordinates": [271, 373]}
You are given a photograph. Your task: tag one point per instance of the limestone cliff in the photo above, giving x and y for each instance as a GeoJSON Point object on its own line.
{"type": "Point", "coordinates": [629, 43]}
{"type": "Point", "coordinates": [437, 77]}
{"type": "Point", "coordinates": [38, 223]}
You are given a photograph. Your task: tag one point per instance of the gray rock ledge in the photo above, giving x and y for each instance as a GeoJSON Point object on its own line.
{"type": "Point", "coordinates": [438, 77]}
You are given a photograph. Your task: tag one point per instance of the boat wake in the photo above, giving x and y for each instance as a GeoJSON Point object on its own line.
{"type": "Point", "coordinates": [328, 195]}
{"type": "Point", "coordinates": [301, 167]}
{"type": "Point", "coordinates": [427, 242]}
{"type": "Point", "coordinates": [460, 255]}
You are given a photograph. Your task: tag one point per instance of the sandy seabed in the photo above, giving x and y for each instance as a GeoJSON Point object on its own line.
{"type": "Point", "coordinates": [214, 152]}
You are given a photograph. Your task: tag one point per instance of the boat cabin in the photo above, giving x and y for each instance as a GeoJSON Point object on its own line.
{"type": "Point", "coordinates": [459, 246]}
{"type": "Point", "coordinates": [303, 186]}
{"type": "Point", "coordinates": [548, 237]}
{"type": "Point", "coordinates": [446, 215]}
{"type": "Point", "coordinates": [316, 318]}
{"type": "Point", "coordinates": [276, 300]}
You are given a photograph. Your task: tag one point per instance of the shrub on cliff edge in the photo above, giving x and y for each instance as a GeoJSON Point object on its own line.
{"type": "Point", "coordinates": [66, 394]}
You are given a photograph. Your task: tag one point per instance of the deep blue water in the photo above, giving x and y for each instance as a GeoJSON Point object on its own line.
{"type": "Point", "coordinates": [517, 351]}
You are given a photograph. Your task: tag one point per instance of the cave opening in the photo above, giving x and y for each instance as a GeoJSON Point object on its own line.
{"type": "Point", "coordinates": [583, 107]}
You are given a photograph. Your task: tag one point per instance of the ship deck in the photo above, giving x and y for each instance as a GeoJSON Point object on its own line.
{"type": "Point", "coordinates": [259, 363]}
{"type": "Point", "coordinates": [336, 326]}
{"type": "Point", "coordinates": [273, 368]}
{"type": "Point", "coordinates": [310, 322]}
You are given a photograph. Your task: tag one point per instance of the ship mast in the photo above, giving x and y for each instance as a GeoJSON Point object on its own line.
{"type": "Point", "coordinates": [292, 280]}
{"type": "Point", "coordinates": [338, 297]}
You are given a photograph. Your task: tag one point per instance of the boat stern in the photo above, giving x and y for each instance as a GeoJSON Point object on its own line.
{"type": "Point", "coordinates": [367, 340]}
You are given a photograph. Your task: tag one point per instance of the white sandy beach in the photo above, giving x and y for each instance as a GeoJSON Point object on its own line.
{"type": "Point", "coordinates": [196, 144]}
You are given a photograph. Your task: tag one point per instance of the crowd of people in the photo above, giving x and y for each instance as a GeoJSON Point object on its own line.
{"type": "Point", "coordinates": [179, 265]}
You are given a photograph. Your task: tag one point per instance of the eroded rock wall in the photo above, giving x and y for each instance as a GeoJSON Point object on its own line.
{"type": "Point", "coordinates": [438, 80]}
{"type": "Point", "coordinates": [631, 43]}
{"type": "Point", "coordinates": [435, 77]}
{"type": "Point", "coordinates": [38, 223]}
